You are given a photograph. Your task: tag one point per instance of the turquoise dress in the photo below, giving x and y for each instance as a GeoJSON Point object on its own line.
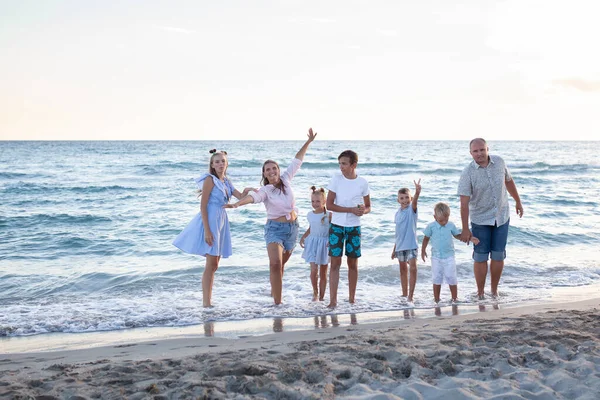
{"type": "Point", "coordinates": [191, 239]}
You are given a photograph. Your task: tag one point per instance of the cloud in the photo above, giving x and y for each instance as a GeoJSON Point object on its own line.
{"type": "Point", "coordinates": [579, 84]}
{"type": "Point", "coordinates": [175, 29]}
{"type": "Point", "coordinates": [324, 20]}
{"type": "Point", "coordinates": [387, 32]}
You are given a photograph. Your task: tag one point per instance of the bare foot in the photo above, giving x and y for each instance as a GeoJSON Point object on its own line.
{"type": "Point", "coordinates": [332, 305]}
{"type": "Point", "coordinates": [207, 305]}
{"type": "Point", "coordinates": [314, 298]}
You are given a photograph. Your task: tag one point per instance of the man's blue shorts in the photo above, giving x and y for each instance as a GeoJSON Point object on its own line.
{"type": "Point", "coordinates": [492, 241]}
{"type": "Point", "coordinates": [344, 238]}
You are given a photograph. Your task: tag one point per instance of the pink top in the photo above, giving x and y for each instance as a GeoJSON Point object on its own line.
{"type": "Point", "coordinates": [276, 202]}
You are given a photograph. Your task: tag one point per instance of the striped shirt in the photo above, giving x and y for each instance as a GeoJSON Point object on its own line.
{"type": "Point", "coordinates": [486, 189]}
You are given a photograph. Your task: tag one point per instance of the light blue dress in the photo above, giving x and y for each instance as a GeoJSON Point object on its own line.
{"type": "Point", "coordinates": [315, 244]}
{"type": "Point", "coordinates": [191, 239]}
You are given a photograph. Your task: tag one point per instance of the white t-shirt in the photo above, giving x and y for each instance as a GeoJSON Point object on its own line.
{"type": "Point", "coordinates": [348, 193]}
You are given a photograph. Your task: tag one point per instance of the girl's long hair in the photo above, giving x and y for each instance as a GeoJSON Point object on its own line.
{"type": "Point", "coordinates": [211, 170]}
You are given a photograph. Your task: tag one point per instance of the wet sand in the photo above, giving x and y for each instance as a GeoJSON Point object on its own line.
{"type": "Point", "coordinates": [541, 351]}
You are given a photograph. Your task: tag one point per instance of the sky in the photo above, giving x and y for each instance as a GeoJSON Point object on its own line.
{"type": "Point", "coordinates": [268, 70]}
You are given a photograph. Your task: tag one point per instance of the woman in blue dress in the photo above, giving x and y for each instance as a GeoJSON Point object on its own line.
{"type": "Point", "coordinates": [214, 242]}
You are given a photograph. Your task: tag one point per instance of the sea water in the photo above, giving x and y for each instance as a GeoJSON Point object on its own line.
{"type": "Point", "coordinates": [86, 230]}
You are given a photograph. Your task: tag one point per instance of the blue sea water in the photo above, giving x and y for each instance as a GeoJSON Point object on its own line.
{"type": "Point", "coordinates": [86, 229]}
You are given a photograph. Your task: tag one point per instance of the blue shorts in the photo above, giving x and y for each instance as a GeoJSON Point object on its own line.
{"type": "Point", "coordinates": [344, 238]}
{"type": "Point", "coordinates": [492, 241]}
{"type": "Point", "coordinates": [284, 234]}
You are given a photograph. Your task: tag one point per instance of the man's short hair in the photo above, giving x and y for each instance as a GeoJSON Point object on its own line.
{"type": "Point", "coordinates": [350, 154]}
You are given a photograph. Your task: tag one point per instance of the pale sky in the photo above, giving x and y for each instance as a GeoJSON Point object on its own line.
{"type": "Point", "coordinates": [204, 69]}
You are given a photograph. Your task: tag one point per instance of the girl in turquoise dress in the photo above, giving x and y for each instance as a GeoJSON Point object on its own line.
{"type": "Point", "coordinates": [214, 242]}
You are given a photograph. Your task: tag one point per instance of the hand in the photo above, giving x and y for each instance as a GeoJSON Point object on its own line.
{"type": "Point", "coordinates": [311, 135]}
{"type": "Point", "coordinates": [208, 238]}
{"type": "Point", "coordinates": [465, 235]}
{"type": "Point", "coordinates": [359, 210]}
{"type": "Point", "coordinates": [247, 190]}
{"type": "Point", "coordinates": [423, 254]}
{"type": "Point", "coordinates": [393, 254]}
{"type": "Point", "coordinates": [474, 240]}
{"type": "Point", "coordinates": [519, 208]}
{"type": "Point", "coordinates": [231, 205]}
{"type": "Point", "coordinates": [417, 186]}
{"type": "Point", "coordinates": [302, 242]}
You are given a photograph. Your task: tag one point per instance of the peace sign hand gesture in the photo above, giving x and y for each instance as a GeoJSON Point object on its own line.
{"type": "Point", "coordinates": [417, 186]}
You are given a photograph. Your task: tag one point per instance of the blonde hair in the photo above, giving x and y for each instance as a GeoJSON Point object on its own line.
{"type": "Point", "coordinates": [320, 191]}
{"type": "Point", "coordinates": [441, 210]}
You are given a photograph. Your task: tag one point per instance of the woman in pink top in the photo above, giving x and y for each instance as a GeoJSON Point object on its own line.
{"type": "Point", "coordinates": [281, 230]}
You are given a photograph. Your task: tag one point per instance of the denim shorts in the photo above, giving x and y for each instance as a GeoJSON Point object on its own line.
{"type": "Point", "coordinates": [344, 238]}
{"type": "Point", "coordinates": [492, 241]}
{"type": "Point", "coordinates": [406, 255]}
{"type": "Point", "coordinates": [284, 234]}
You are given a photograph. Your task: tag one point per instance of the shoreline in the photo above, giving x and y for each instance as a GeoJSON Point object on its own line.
{"type": "Point", "coordinates": [238, 329]}
{"type": "Point", "coordinates": [535, 351]}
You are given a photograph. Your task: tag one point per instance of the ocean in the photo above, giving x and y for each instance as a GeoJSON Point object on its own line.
{"type": "Point", "coordinates": [86, 230]}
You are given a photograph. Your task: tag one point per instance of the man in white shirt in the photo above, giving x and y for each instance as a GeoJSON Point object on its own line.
{"type": "Point", "coordinates": [348, 200]}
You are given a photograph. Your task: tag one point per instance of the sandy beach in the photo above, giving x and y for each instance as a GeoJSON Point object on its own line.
{"type": "Point", "coordinates": [535, 352]}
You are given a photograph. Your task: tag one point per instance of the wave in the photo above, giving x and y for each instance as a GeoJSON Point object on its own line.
{"type": "Point", "coordinates": [544, 168]}
{"type": "Point", "coordinates": [49, 220]}
{"type": "Point", "coordinates": [33, 188]}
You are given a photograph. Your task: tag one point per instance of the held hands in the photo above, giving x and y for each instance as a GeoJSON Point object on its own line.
{"type": "Point", "coordinates": [474, 240]}
{"type": "Point", "coordinates": [465, 236]}
{"type": "Point", "coordinates": [231, 205]}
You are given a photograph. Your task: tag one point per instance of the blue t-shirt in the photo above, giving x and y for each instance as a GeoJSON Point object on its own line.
{"type": "Point", "coordinates": [406, 229]}
{"type": "Point", "coordinates": [442, 238]}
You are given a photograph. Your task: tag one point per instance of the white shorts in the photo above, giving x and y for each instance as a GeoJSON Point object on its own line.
{"type": "Point", "coordinates": [443, 269]}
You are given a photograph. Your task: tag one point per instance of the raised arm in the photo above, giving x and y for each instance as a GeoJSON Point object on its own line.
{"type": "Point", "coordinates": [512, 189]}
{"type": "Point", "coordinates": [465, 235]}
{"type": "Point", "coordinates": [311, 136]}
{"type": "Point", "coordinates": [415, 199]}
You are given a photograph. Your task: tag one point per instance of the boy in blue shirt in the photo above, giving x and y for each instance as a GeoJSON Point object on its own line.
{"type": "Point", "coordinates": [405, 241]}
{"type": "Point", "coordinates": [443, 265]}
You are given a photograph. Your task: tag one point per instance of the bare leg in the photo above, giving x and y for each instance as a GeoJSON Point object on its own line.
{"type": "Point", "coordinates": [208, 277]}
{"type": "Point", "coordinates": [334, 280]}
{"type": "Point", "coordinates": [454, 292]}
{"type": "Point", "coordinates": [352, 277]}
{"type": "Point", "coordinates": [314, 280]}
{"type": "Point", "coordinates": [413, 278]}
{"type": "Point", "coordinates": [323, 281]}
{"type": "Point", "coordinates": [286, 257]}
{"type": "Point", "coordinates": [404, 278]}
{"type": "Point", "coordinates": [276, 270]}
{"type": "Point", "coordinates": [436, 292]}
{"type": "Point", "coordinates": [480, 271]}
{"type": "Point", "coordinates": [496, 267]}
